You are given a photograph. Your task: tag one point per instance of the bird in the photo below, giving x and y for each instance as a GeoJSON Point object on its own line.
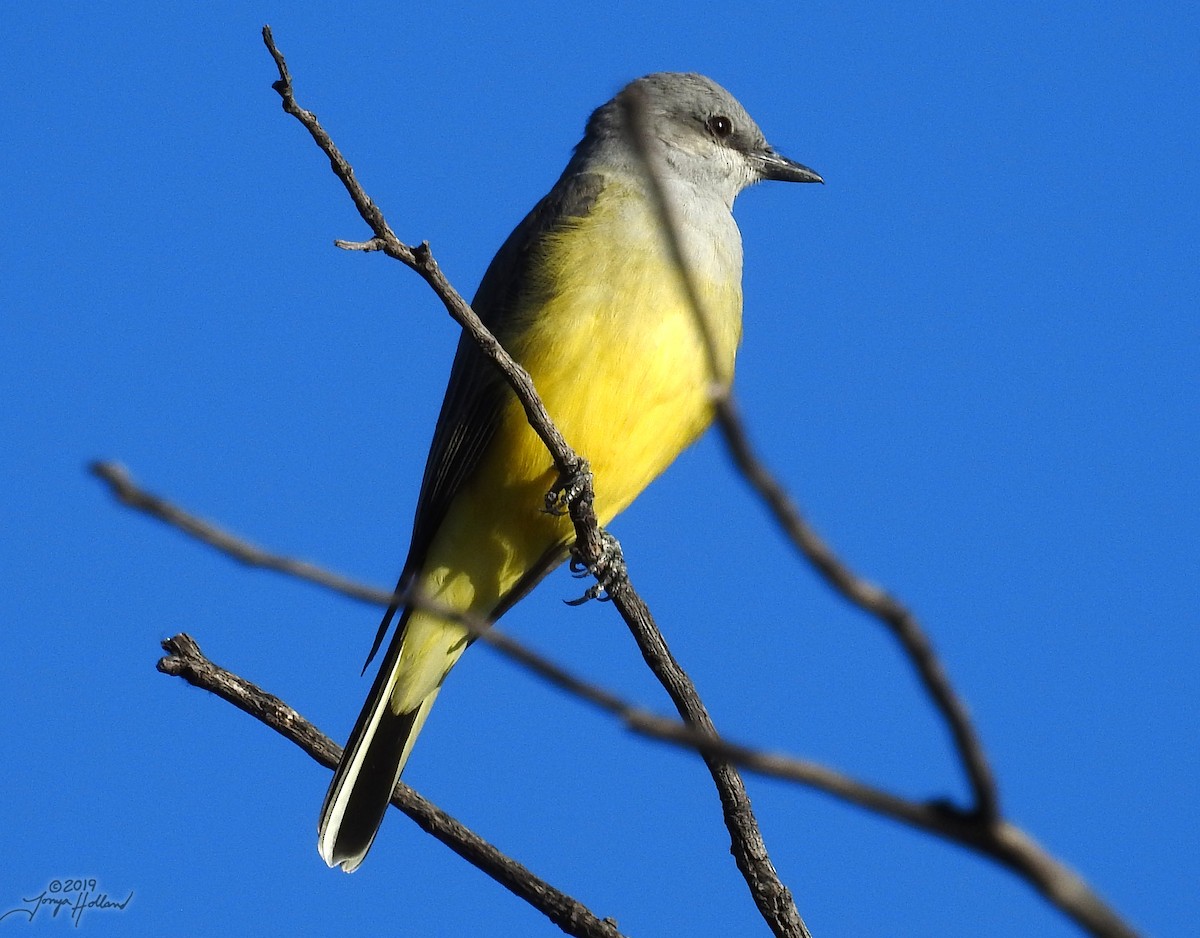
{"type": "Point", "coordinates": [589, 295]}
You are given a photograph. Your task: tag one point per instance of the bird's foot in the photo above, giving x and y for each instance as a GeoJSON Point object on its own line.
{"type": "Point", "coordinates": [607, 569]}
{"type": "Point", "coordinates": [567, 488]}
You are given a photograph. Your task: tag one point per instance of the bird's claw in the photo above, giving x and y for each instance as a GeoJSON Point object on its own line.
{"type": "Point", "coordinates": [595, 591]}
{"type": "Point", "coordinates": [567, 488]}
{"type": "Point", "coordinates": [608, 569]}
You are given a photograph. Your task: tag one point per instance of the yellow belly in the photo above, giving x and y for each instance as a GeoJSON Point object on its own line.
{"type": "Point", "coordinates": [614, 349]}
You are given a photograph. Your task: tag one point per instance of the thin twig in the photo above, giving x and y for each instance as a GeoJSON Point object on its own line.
{"type": "Point", "coordinates": [1000, 842]}
{"type": "Point", "coordinates": [419, 259]}
{"type": "Point", "coordinates": [857, 591]}
{"type": "Point", "coordinates": [773, 899]}
{"type": "Point", "coordinates": [592, 546]}
{"type": "Point", "coordinates": [128, 493]}
{"type": "Point", "coordinates": [981, 828]}
{"type": "Point", "coordinates": [633, 107]}
{"type": "Point", "coordinates": [874, 601]}
{"type": "Point", "coordinates": [184, 659]}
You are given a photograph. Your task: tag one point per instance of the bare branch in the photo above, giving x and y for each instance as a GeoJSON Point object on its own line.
{"type": "Point", "coordinates": [872, 600]}
{"type": "Point", "coordinates": [128, 493]}
{"type": "Point", "coordinates": [185, 660]}
{"type": "Point", "coordinates": [772, 897]}
{"type": "Point", "coordinates": [982, 828]}
{"type": "Point", "coordinates": [997, 840]}
{"type": "Point", "coordinates": [1000, 841]}
{"type": "Point", "coordinates": [419, 259]}
{"type": "Point", "coordinates": [857, 591]}
{"type": "Point", "coordinates": [633, 105]}
{"type": "Point", "coordinates": [593, 547]}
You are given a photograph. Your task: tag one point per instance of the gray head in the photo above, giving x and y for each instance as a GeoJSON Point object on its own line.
{"type": "Point", "coordinates": [698, 130]}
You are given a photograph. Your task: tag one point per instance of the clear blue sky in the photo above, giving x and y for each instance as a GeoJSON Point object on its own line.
{"type": "Point", "coordinates": [972, 356]}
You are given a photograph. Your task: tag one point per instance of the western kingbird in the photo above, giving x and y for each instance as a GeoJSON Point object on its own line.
{"type": "Point", "coordinates": [586, 294]}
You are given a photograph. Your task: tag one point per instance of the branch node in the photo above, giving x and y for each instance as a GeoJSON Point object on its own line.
{"type": "Point", "coordinates": [372, 244]}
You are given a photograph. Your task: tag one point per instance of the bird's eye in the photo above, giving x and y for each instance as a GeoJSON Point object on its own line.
{"type": "Point", "coordinates": [720, 126]}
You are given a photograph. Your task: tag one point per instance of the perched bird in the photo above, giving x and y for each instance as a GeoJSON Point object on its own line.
{"type": "Point", "coordinates": [587, 295]}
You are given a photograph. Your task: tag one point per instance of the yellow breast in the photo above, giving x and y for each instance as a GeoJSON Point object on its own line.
{"type": "Point", "coordinates": [615, 348]}
{"type": "Point", "coordinates": [617, 355]}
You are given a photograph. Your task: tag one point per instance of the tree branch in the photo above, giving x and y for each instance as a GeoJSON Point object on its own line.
{"type": "Point", "coordinates": [184, 659]}
{"type": "Point", "coordinates": [982, 828]}
{"type": "Point", "coordinates": [875, 602]}
{"type": "Point", "coordinates": [998, 841]}
{"type": "Point", "coordinates": [593, 547]}
{"type": "Point", "coordinates": [128, 493]}
{"type": "Point", "coordinates": [871, 599]}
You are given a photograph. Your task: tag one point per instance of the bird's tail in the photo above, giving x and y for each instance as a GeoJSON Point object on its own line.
{"type": "Point", "coordinates": [418, 658]}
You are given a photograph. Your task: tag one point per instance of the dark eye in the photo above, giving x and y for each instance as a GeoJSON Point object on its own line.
{"type": "Point", "coordinates": [720, 126]}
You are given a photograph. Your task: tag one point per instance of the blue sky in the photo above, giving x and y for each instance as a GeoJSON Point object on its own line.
{"type": "Point", "coordinates": [972, 357]}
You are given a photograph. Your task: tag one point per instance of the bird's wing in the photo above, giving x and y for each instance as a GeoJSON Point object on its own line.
{"type": "Point", "coordinates": [478, 392]}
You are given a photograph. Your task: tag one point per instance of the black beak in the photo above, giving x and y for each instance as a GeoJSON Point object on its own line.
{"type": "Point", "coordinates": [772, 165]}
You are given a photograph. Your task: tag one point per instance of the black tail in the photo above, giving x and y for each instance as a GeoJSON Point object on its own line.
{"type": "Point", "coordinates": [370, 767]}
